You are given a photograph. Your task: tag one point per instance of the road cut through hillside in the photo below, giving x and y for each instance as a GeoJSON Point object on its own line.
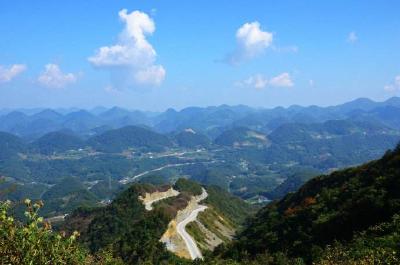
{"type": "Point", "coordinates": [151, 198]}
{"type": "Point", "coordinates": [176, 237]}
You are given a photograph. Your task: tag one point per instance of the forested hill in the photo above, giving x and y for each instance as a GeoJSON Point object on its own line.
{"type": "Point", "coordinates": [132, 136]}
{"type": "Point", "coordinates": [57, 142]}
{"type": "Point", "coordinates": [335, 207]}
{"type": "Point", "coordinates": [10, 145]}
{"type": "Point", "coordinates": [133, 233]}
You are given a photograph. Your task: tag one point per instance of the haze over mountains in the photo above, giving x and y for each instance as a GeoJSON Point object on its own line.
{"type": "Point", "coordinates": [211, 121]}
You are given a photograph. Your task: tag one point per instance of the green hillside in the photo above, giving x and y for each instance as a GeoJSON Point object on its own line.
{"type": "Point", "coordinates": [191, 139]}
{"type": "Point", "coordinates": [328, 209]}
{"type": "Point", "coordinates": [10, 145]}
{"type": "Point", "coordinates": [66, 196]}
{"type": "Point", "coordinates": [57, 142]}
{"type": "Point", "coordinates": [129, 137]}
{"type": "Point", "coordinates": [242, 136]}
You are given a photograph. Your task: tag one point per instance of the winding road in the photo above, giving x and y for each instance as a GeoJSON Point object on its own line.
{"type": "Point", "coordinates": [131, 179]}
{"type": "Point", "coordinates": [191, 245]}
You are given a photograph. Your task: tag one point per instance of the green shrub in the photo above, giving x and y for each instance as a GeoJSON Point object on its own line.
{"type": "Point", "coordinates": [34, 242]}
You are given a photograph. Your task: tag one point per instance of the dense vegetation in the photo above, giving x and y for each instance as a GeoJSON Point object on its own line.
{"type": "Point", "coordinates": [66, 196]}
{"type": "Point", "coordinates": [242, 136]}
{"type": "Point", "coordinates": [10, 146]}
{"type": "Point", "coordinates": [125, 228]}
{"type": "Point", "coordinates": [231, 206]}
{"type": "Point", "coordinates": [191, 187]}
{"type": "Point", "coordinates": [191, 139]}
{"type": "Point", "coordinates": [134, 137]}
{"type": "Point", "coordinates": [34, 242]}
{"type": "Point", "coordinates": [57, 142]}
{"type": "Point", "coordinates": [355, 207]}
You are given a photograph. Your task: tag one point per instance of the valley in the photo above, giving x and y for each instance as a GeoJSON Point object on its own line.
{"type": "Point", "coordinates": [256, 163]}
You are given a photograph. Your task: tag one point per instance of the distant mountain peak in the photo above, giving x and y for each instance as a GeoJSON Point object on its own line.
{"type": "Point", "coordinates": [47, 114]}
{"type": "Point", "coordinates": [16, 114]}
{"type": "Point", "coordinates": [393, 101]}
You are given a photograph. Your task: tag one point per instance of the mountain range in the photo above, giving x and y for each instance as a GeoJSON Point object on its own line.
{"type": "Point", "coordinates": [248, 152]}
{"type": "Point", "coordinates": [211, 121]}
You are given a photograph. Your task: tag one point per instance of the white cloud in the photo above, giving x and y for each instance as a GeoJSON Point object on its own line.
{"type": "Point", "coordinates": [259, 81]}
{"type": "Point", "coordinates": [252, 39]}
{"type": "Point", "coordinates": [395, 86]}
{"type": "Point", "coordinates": [8, 74]}
{"type": "Point", "coordinates": [132, 54]}
{"type": "Point", "coordinates": [251, 42]}
{"type": "Point", "coordinates": [282, 80]}
{"type": "Point", "coordinates": [352, 37]}
{"type": "Point", "coordinates": [53, 77]}
{"type": "Point", "coordinates": [311, 82]}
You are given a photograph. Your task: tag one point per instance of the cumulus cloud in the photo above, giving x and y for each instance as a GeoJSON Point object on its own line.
{"type": "Point", "coordinates": [53, 77]}
{"type": "Point", "coordinates": [395, 86]}
{"type": "Point", "coordinates": [352, 37]}
{"type": "Point", "coordinates": [251, 42]}
{"type": "Point", "coordinates": [8, 74]}
{"type": "Point", "coordinates": [132, 55]}
{"type": "Point", "coordinates": [259, 81]}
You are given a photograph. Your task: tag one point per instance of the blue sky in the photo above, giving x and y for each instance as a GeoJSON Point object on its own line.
{"type": "Point", "coordinates": [184, 53]}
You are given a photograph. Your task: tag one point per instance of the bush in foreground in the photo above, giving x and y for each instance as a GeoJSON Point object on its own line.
{"type": "Point", "coordinates": [34, 242]}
